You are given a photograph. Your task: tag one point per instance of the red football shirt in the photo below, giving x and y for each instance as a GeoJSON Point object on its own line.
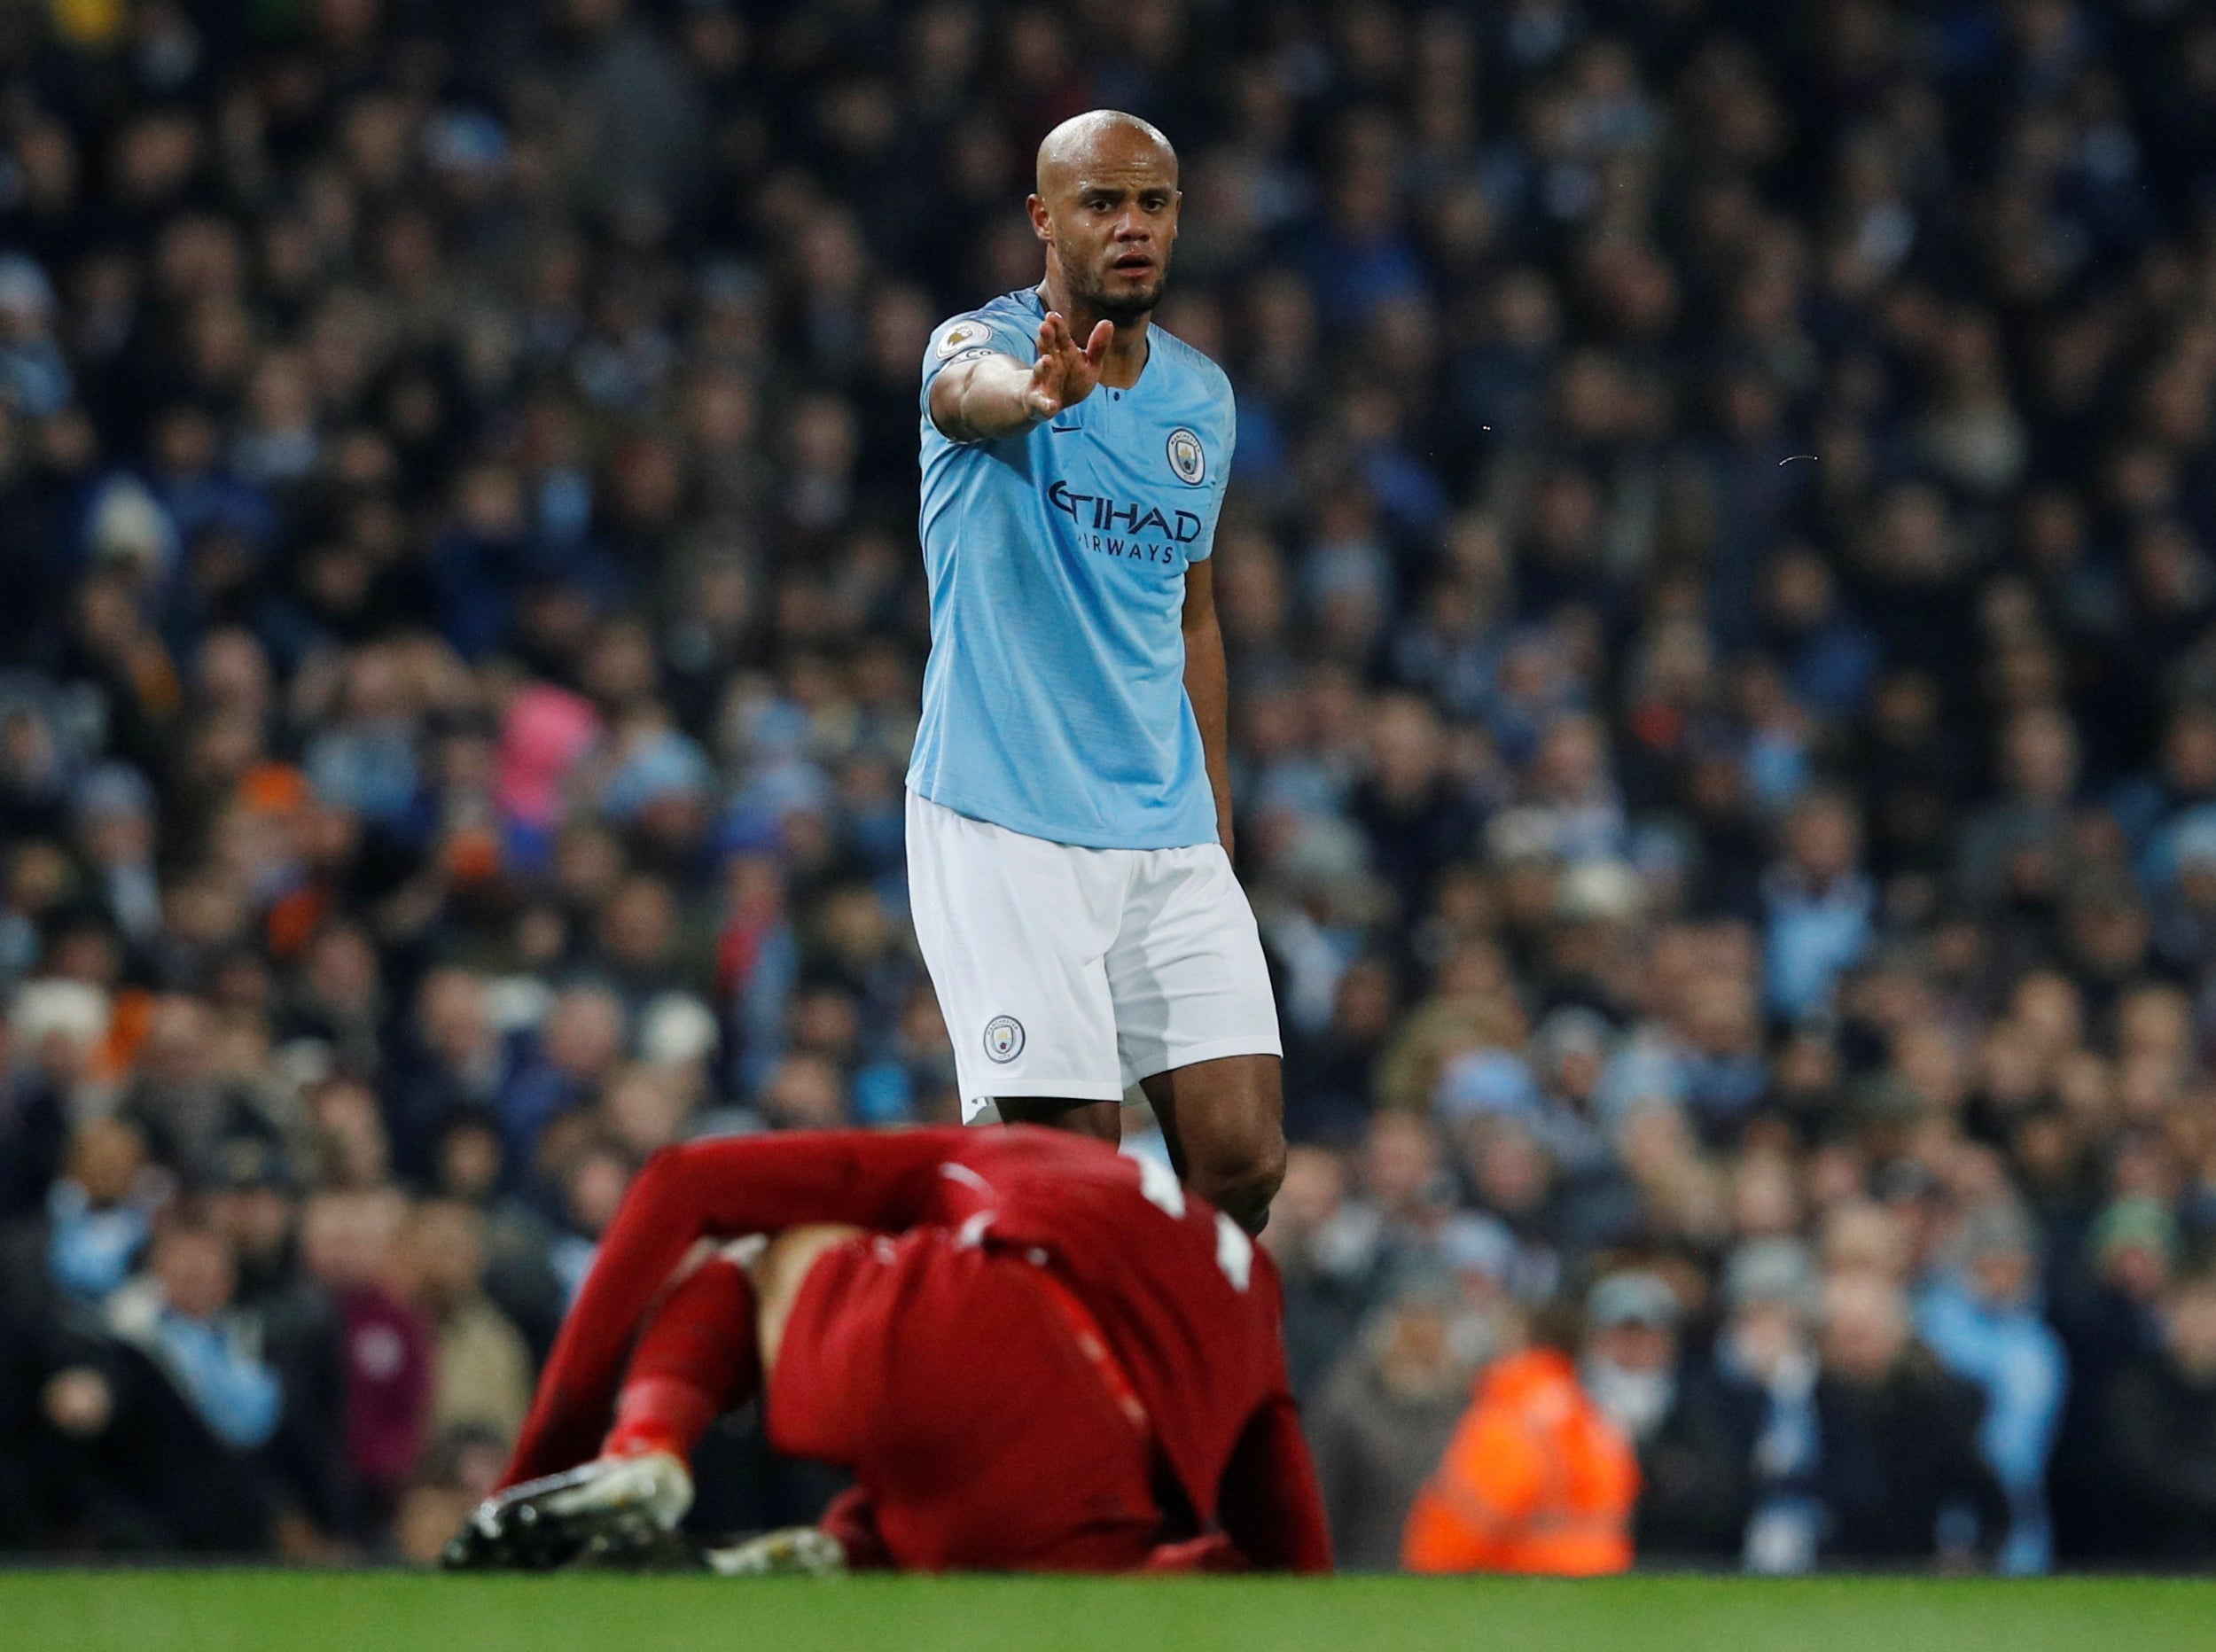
{"type": "Point", "coordinates": [1190, 1307]}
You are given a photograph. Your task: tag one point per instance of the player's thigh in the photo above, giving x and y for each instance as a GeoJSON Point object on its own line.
{"type": "Point", "coordinates": [1186, 972]}
{"type": "Point", "coordinates": [1015, 931]}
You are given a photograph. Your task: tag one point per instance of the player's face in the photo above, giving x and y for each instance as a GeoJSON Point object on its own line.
{"type": "Point", "coordinates": [1112, 225]}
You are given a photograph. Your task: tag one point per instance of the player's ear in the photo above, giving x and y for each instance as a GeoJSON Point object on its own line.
{"type": "Point", "coordinates": [1042, 225]}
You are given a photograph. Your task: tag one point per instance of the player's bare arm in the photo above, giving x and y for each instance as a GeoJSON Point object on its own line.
{"type": "Point", "coordinates": [993, 395]}
{"type": "Point", "coordinates": [1206, 686]}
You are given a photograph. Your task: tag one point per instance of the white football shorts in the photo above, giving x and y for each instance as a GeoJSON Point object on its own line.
{"type": "Point", "coordinates": [1076, 972]}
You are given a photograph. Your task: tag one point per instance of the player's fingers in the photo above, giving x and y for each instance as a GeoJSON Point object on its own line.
{"type": "Point", "coordinates": [1096, 346]}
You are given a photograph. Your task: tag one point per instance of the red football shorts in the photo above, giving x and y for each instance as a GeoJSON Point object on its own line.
{"type": "Point", "coordinates": [948, 1379]}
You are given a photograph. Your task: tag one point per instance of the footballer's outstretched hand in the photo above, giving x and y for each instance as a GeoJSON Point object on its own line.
{"type": "Point", "coordinates": [1065, 374]}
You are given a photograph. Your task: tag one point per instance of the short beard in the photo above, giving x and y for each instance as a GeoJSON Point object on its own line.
{"type": "Point", "coordinates": [1121, 310]}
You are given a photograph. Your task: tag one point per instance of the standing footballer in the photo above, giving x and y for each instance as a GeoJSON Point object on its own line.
{"type": "Point", "coordinates": [1069, 818]}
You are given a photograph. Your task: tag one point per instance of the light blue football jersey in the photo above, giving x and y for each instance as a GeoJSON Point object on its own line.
{"type": "Point", "coordinates": [1054, 702]}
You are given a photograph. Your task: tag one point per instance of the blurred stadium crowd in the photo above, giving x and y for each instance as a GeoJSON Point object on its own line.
{"type": "Point", "coordinates": [1720, 594]}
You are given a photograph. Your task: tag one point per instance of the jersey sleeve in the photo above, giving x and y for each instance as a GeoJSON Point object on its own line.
{"type": "Point", "coordinates": [966, 337]}
{"type": "Point", "coordinates": [715, 1189]}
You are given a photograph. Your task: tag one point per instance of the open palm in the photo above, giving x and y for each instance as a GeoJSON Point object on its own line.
{"type": "Point", "coordinates": [1065, 374]}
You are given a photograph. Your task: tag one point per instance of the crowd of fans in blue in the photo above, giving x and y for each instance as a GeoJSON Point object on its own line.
{"type": "Point", "coordinates": [1718, 589]}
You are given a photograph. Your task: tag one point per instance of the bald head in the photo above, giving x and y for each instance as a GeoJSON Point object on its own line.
{"type": "Point", "coordinates": [1096, 139]}
{"type": "Point", "coordinates": [1107, 210]}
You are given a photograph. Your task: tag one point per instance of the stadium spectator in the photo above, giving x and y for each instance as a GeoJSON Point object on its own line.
{"type": "Point", "coordinates": [1726, 1474]}
{"type": "Point", "coordinates": [252, 1201]}
{"type": "Point", "coordinates": [1630, 1365]}
{"type": "Point", "coordinates": [1537, 1478]}
{"type": "Point", "coordinates": [2158, 1411]}
{"type": "Point", "coordinates": [1384, 1415]}
{"type": "Point", "coordinates": [1898, 1475]}
{"type": "Point", "coordinates": [179, 1313]}
{"type": "Point", "coordinates": [2110, 1318]}
{"type": "Point", "coordinates": [150, 1421]}
{"type": "Point", "coordinates": [99, 1214]}
{"type": "Point", "coordinates": [1330, 1247]}
{"type": "Point", "coordinates": [1980, 1317]}
{"type": "Point", "coordinates": [348, 1246]}
{"type": "Point", "coordinates": [481, 1367]}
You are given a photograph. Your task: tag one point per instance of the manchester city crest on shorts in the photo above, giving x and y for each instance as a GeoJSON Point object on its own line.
{"type": "Point", "coordinates": [1188, 458]}
{"type": "Point", "coordinates": [1003, 1038]}
{"type": "Point", "coordinates": [960, 337]}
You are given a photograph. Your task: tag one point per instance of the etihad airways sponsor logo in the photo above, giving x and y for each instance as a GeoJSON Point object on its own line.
{"type": "Point", "coordinates": [1136, 518]}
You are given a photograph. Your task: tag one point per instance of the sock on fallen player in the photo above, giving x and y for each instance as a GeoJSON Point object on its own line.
{"type": "Point", "coordinates": [697, 1359]}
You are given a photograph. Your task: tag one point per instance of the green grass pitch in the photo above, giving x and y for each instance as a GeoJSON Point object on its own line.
{"type": "Point", "coordinates": [263, 1611]}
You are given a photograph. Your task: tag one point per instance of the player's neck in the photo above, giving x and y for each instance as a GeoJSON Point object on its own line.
{"type": "Point", "coordinates": [1126, 352]}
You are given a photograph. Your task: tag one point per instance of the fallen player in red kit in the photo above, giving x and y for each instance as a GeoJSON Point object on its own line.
{"type": "Point", "coordinates": [1032, 1352]}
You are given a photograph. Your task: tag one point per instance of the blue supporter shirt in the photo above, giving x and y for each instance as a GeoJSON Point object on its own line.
{"type": "Point", "coordinates": [1054, 702]}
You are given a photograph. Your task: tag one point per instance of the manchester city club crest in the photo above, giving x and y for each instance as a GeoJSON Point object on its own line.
{"type": "Point", "coordinates": [1003, 1038]}
{"type": "Point", "coordinates": [1187, 457]}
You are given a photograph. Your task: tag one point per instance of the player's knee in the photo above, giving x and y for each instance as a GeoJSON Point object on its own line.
{"type": "Point", "coordinates": [1242, 1186]}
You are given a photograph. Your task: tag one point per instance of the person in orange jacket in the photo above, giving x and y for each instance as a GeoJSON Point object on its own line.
{"type": "Point", "coordinates": [1536, 1479]}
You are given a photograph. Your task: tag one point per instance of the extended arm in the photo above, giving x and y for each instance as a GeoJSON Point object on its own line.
{"type": "Point", "coordinates": [989, 395]}
{"type": "Point", "coordinates": [717, 1190]}
{"type": "Point", "coordinates": [1207, 685]}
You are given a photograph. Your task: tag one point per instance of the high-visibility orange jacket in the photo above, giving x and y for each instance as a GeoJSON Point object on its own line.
{"type": "Point", "coordinates": [1536, 1480]}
